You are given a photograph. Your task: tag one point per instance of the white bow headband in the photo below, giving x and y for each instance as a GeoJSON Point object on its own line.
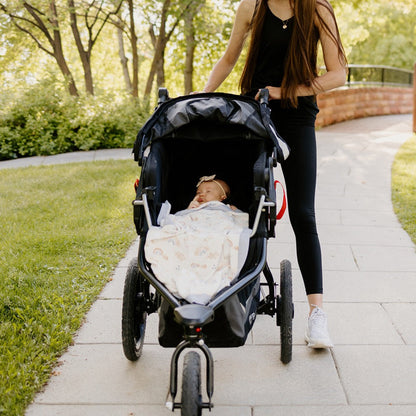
{"type": "Point", "coordinates": [210, 179]}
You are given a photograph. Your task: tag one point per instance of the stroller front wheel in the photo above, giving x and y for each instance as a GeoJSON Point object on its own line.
{"type": "Point", "coordinates": [191, 385]}
{"type": "Point", "coordinates": [133, 317]}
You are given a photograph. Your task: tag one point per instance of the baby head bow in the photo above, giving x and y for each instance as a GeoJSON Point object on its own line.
{"type": "Point", "coordinates": [205, 179]}
{"type": "Point", "coordinates": [212, 179]}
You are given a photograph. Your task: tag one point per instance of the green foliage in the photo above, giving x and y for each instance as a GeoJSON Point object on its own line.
{"type": "Point", "coordinates": [64, 228]}
{"type": "Point", "coordinates": [404, 186]}
{"type": "Point", "coordinates": [373, 31]}
{"type": "Point", "coordinates": [378, 32]}
{"type": "Point", "coordinates": [45, 121]}
{"type": "Point", "coordinates": [213, 25]}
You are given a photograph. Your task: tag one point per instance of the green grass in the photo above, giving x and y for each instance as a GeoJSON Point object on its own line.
{"type": "Point", "coordinates": [63, 230]}
{"type": "Point", "coordinates": [404, 186]}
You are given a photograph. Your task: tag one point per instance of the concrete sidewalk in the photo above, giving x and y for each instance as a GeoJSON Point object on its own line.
{"type": "Point", "coordinates": [370, 292]}
{"type": "Point", "coordinates": [90, 156]}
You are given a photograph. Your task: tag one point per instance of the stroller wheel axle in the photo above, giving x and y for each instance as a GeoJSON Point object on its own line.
{"type": "Point", "coordinates": [178, 405]}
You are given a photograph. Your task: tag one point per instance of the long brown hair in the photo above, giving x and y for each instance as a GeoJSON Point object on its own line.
{"type": "Point", "coordinates": [301, 60]}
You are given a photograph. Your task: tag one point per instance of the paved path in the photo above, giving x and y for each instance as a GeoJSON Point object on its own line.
{"type": "Point", "coordinates": [89, 156]}
{"type": "Point", "coordinates": [370, 280]}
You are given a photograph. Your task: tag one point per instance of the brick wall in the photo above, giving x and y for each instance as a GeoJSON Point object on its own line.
{"type": "Point", "coordinates": [347, 104]}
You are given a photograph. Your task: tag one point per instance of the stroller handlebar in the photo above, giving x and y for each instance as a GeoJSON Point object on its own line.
{"type": "Point", "coordinates": [264, 96]}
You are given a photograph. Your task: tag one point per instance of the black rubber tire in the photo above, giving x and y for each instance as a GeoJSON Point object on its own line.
{"type": "Point", "coordinates": [191, 385]}
{"type": "Point", "coordinates": [133, 316]}
{"type": "Point", "coordinates": [286, 311]}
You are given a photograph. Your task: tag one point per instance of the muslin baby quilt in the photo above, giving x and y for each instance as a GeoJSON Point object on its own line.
{"type": "Point", "coordinates": [197, 252]}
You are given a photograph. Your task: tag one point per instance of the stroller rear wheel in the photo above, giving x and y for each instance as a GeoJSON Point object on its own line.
{"type": "Point", "coordinates": [133, 320]}
{"type": "Point", "coordinates": [191, 385]}
{"type": "Point", "coordinates": [285, 311]}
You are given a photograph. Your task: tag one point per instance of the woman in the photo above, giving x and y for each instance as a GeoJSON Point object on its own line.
{"type": "Point", "coordinates": [282, 57]}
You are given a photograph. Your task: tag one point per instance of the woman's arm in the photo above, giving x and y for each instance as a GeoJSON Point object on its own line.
{"type": "Point", "coordinates": [335, 66]}
{"type": "Point", "coordinates": [241, 28]}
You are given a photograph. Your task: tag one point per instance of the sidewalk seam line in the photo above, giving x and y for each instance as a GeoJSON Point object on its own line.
{"type": "Point", "coordinates": [339, 376]}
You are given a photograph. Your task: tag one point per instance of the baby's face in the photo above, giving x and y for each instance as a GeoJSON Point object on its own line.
{"type": "Point", "coordinates": [209, 191]}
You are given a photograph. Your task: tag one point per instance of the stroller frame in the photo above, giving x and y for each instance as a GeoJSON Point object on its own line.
{"type": "Point", "coordinates": [194, 317]}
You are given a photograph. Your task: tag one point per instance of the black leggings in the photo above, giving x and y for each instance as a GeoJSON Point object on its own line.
{"type": "Point", "coordinates": [297, 127]}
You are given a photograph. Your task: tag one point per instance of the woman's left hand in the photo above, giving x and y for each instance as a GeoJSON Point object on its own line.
{"type": "Point", "coordinates": [275, 93]}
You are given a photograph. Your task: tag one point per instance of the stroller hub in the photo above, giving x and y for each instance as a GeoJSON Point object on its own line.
{"type": "Point", "coordinates": [194, 315]}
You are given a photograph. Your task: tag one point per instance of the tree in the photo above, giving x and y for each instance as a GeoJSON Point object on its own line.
{"type": "Point", "coordinates": [210, 29]}
{"type": "Point", "coordinates": [44, 29]}
{"type": "Point", "coordinates": [173, 12]}
{"type": "Point", "coordinates": [378, 32]}
{"type": "Point", "coordinates": [135, 53]}
{"type": "Point", "coordinates": [43, 24]}
{"type": "Point", "coordinates": [189, 27]}
{"type": "Point", "coordinates": [127, 26]}
{"type": "Point", "coordinates": [94, 14]}
{"type": "Point", "coordinates": [122, 54]}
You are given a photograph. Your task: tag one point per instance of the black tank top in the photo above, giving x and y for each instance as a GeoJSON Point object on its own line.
{"type": "Point", "coordinates": [272, 53]}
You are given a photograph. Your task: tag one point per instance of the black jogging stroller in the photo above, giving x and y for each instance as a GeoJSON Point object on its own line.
{"type": "Point", "coordinates": [234, 138]}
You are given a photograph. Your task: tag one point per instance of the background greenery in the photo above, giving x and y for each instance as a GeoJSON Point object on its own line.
{"type": "Point", "coordinates": [47, 121]}
{"type": "Point", "coordinates": [404, 186]}
{"type": "Point", "coordinates": [126, 49]}
{"type": "Point", "coordinates": [64, 229]}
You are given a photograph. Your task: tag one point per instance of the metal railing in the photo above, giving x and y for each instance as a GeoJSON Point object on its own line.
{"type": "Point", "coordinates": [378, 75]}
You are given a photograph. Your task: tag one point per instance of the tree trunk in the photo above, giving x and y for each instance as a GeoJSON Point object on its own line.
{"type": "Point", "coordinates": [192, 11]}
{"type": "Point", "coordinates": [86, 63]}
{"type": "Point", "coordinates": [58, 53]}
{"type": "Point", "coordinates": [85, 55]}
{"type": "Point", "coordinates": [123, 60]}
{"type": "Point", "coordinates": [159, 44]}
{"type": "Point", "coordinates": [190, 51]}
{"type": "Point", "coordinates": [134, 51]}
{"type": "Point", "coordinates": [157, 63]}
{"type": "Point", "coordinates": [60, 60]}
{"type": "Point", "coordinates": [160, 71]}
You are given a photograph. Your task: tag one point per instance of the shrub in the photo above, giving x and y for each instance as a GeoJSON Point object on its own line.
{"type": "Point", "coordinates": [45, 121]}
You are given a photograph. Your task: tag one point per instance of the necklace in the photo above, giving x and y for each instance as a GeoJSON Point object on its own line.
{"type": "Point", "coordinates": [284, 23]}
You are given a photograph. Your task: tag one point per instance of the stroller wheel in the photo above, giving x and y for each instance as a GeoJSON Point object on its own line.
{"type": "Point", "coordinates": [133, 317]}
{"type": "Point", "coordinates": [285, 311]}
{"type": "Point", "coordinates": [191, 385]}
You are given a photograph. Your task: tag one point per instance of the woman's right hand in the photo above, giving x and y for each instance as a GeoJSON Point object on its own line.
{"type": "Point", "coordinates": [275, 93]}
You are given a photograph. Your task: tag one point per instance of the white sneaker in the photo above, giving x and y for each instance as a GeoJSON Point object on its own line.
{"type": "Point", "coordinates": [317, 335]}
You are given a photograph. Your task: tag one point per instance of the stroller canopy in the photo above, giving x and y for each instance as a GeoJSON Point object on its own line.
{"type": "Point", "coordinates": [210, 116]}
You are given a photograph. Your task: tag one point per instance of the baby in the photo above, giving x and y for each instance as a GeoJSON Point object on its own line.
{"type": "Point", "coordinates": [210, 189]}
